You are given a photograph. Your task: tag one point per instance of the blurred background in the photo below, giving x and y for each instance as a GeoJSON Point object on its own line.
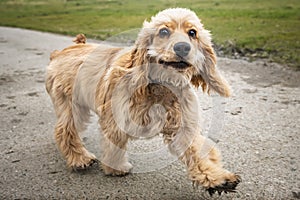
{"type": "Point", "coordinates": [241, 28]}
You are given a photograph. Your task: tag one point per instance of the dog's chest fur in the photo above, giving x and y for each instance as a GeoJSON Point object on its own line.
{"type": "Point", "coordinates": [160, 99]}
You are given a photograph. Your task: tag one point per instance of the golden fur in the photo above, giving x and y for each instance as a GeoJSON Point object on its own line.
{"type": "Point", "coordinates": [139, 92]}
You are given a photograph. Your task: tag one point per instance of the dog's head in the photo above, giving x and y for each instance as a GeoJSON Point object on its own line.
{"type": "Point", "coordinates": [179, 51]}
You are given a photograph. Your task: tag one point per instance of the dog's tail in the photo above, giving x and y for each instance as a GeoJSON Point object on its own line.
{"type": "Point", "coordinates": [80, 39]}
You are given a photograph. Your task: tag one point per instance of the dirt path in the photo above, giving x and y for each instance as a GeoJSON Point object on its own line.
{"type": "Point", "coordinates": [259, 134]}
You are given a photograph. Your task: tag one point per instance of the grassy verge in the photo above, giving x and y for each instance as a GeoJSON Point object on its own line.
{"type": "Point", "coordinates": [255, 28]}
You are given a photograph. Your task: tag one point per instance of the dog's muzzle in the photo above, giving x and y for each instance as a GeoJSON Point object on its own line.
{"type": "Point", "coordinates": [180, 65]}
{"type": "Point", "coordinates": [182, 49]}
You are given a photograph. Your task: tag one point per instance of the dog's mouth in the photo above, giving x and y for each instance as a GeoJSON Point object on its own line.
{"type": "Point", "coordinates": [179, 65]}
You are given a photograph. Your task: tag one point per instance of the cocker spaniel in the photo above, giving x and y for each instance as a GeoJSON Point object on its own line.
{"type": "Point", "coordinates": [141, 91]}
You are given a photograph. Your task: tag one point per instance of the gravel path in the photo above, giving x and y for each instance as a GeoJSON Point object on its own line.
{"type": "Point", "coordinates": [257, 132]}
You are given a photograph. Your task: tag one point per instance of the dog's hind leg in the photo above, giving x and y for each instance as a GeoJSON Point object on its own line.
{"type": "Point", "coordinates": [67, 136]}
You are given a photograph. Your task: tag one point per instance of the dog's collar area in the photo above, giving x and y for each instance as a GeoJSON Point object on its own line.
{"type": "Point", "coordinates": [177, 65]}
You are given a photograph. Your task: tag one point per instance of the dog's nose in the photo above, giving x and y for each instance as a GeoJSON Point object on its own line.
{"type": "Point", "coordinates": [182, 49]}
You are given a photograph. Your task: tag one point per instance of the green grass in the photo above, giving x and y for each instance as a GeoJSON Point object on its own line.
{"type": "Point", "coordinates": [269, 27]}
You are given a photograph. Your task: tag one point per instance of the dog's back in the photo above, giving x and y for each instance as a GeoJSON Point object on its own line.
{"type": "Point", "coordinates": [63, 67]}
{"type": "Point", "coordinates": [63, 70]}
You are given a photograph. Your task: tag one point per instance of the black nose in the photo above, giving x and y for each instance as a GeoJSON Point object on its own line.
{"type": "Point", "coordinates": [182, 49]}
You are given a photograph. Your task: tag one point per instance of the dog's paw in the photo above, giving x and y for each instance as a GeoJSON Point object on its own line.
{"type": "Point", "coordinates": [79, 162]}
{"type": "Point", "coordinates": [85, 166]}
{"type": "Point", "coordinates": [228, 186]}
{"type": "Point", "coordinates": [122, 170]}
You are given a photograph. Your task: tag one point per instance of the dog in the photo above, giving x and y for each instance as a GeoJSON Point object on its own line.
{"type": "Point", "coordinates": [141, 91]}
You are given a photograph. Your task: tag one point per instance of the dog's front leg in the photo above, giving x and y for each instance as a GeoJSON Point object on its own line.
{"type": "Point", "coordinates": [201, 157]}
{"type": "Point", "coordinates": [204, 165]}
{"type": "Point", "coordinates": [113, 159]}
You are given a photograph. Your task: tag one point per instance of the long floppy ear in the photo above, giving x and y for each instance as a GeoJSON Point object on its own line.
{"type": "Point", "coordinates": [210, 78]}
{"type": "Point", "coordinates": [142, 43]}
{"type": "Point", "coordinates": [139, 55]}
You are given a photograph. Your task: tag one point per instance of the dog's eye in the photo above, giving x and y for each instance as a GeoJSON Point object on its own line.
{"type": "Point", "coordinates": [192, 33]}
{"type": "Point", "coordinates": [164, 32]}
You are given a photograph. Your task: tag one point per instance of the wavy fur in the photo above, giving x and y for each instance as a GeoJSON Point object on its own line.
{"type": "Point", "coordinates": [136, 95]}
